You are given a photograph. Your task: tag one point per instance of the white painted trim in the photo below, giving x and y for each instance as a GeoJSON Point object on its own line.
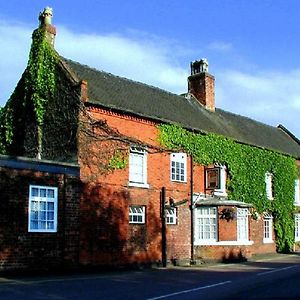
{"type": "Point", "coordinates": [224, 243]}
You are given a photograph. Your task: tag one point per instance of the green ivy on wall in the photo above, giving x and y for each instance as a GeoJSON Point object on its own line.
{"type": "Point", "coordinates": [246, 167]}
{"type": "Point", "coordinates": [39, 82]}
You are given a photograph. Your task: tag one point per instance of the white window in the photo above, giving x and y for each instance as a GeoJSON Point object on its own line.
{"type": "Point", "coordinates": [297, 192]}
{"type": "Point", "coordinates": [206, 225]}
{"type": "Point", "coordinates": [171, 215]}
{"type": "Point", "coordinates": [297, 227]}
{"type": "Point", "coordinates": [178, 167]}
{"type": "Point", "coordinates": [138, 167]}
{"type": "Point", "coordinates": [137, 214]}
{"type": "Point", "coordinates": [268, 228]}
{"type": "Point", "coordinates": [215, 179]}
{"type": "Point", "coordinates": [42, 210]}
{"type": "Point", "coordinates": [242, 224]}
{"type": "Point", "coordinates": [269, 185]}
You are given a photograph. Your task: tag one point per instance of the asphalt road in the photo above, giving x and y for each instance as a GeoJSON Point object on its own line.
{"type": "Point", "coordinates": [275, 277]}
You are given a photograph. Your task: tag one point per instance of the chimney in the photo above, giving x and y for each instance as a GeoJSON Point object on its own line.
{"type": "Point", "coordinates": [45, 19]}
{"type": "Point", "coordinates": [201, 84]}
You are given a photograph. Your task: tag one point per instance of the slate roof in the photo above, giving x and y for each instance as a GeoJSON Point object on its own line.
{"type": "Point", "coordinates": [129, 96]}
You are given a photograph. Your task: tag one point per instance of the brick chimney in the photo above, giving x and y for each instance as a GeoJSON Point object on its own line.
{"type": "Point", "coordinates": [45, 19]}
{"type": "Point", "coordinates": [201, 84]}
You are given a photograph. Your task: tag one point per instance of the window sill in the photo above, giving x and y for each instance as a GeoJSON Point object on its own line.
{"type": "Point", "coordinates": [220, 193]}
{"type": "Point", "coordinates": [268, 241]}
{"type": "Point", "coordinates": [224, 243]}
{"type": "Point", "coordinates": [140, 185]}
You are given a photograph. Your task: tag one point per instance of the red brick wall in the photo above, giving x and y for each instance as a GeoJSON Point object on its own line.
{"type": "Point", "coordinates": [20, 249]}
{"type": "Point", "coordinates": [106, 236]}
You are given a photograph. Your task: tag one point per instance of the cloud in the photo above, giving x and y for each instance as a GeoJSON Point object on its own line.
{"type": "Point", "coordinates": [220, 46]}
{"type": "Point", "coordinates": [148, 60]}
{"type": "Point", "coordinates": [270, 97]}
{"type": "Point", "coordinates": [15, 42]}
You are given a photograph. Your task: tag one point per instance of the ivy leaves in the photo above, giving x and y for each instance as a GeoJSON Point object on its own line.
{"type": "Point", "coordinates": [246, 166]}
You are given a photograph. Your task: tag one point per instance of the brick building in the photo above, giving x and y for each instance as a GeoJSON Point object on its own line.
{"type": "Point", "coordinates": [138, 200]}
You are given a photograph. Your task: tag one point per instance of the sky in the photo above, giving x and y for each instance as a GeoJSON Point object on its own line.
{"type": "Point", "coordinates": [252, 46]}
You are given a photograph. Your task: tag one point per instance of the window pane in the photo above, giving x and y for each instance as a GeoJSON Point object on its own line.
{"type": "Point", "coordinates": [43, 193]}
{"type": "Point", "coordinates": [50, 193]}
{"type": "Point", "coordinates": [34, 192]}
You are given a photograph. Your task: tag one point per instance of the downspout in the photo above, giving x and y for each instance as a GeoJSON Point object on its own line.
{"type": "Point", "coordinates": [192, 262]}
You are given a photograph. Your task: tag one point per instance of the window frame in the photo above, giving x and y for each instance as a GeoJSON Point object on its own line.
{"type": "Point", "coordinates": [137, 214]}
{"type": "Point", "coordinates": [171, 216]}
{"type": "Point", "coordinates": [242, 224]}
{"type": "Point", "coordinates": [178, 158]}
{"type": "Point", "coordinates": [39, 199]}
{"type": "Point", "coordinates": [201, 226]}
{"type": "Point", "coordinates": [269, 177]}
{"type": "Point", "coordinates": [297, 227]}
{"type": "Point", "coordinates": [268, 228]}
{"type": "Point", "coordinates": [142, 173]}
{"type": "Point", "coordinates": [220, 188]}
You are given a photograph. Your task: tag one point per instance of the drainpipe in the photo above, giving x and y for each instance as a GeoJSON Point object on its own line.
{"type": "Point", "coordinates": [163, 228]}
{"type": "Point", "coordinates": [192, 210]}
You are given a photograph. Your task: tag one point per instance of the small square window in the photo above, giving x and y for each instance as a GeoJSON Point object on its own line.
{"type": "Point", "coordinates": [137, 214]}
{"type": "Point", "coordinates": [171, 216]}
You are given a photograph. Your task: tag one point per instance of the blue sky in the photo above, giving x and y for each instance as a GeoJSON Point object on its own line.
{"type": "Point", "coordinates": [252, 47]}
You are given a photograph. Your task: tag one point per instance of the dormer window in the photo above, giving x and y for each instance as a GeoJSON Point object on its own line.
{"type": "Point", "coordinates": [215, 180]}
{"type": "Point", "coordinates": [269, 185]}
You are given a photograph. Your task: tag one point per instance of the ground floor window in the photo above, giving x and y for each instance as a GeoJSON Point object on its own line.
{"type": "Point", "coordinates": [242, 224]}
{"type": "Point", "coordinates": [137, 214]}
{"type": "Point", "coordinates": [171, 216]}
{"type": "Point", "coordinates": [42, 209]}
{"type": "Point", "coordinates": [268, 228]}
{"type": "Point", "coordinates": [297, 227]}
{"type": "Point", "coordinates": [206, 224]}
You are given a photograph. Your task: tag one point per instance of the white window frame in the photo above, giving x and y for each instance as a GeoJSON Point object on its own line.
{"type": "Point", "coordinates": [242, 223]}
{"type": "Point", "coordinates": [171, 215]}
{"type": "Point", "coordinates": [137, 214]}
{"type": "Point", "coordinates": [178, 167]}
{"type": "Point", "coordinates": [222, 175]}
{"type": "Point", "coordinates": [269, 185]}
{"type": "Point", "coordinates": [206, 225]}
{"type": "Point", "coordinates": [138, 167]}
{"type": "Point", "coordinates": [297, 192]}
{"type": "Point", "coordinates": [42, 209]}
{"type": "Point", "coordinates": [297, 227]}
{"type": "Point", "coordinates": [268, 228]}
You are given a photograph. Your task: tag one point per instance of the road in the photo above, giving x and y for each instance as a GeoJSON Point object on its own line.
{"type": "Point", "coordinates": [277, 277]}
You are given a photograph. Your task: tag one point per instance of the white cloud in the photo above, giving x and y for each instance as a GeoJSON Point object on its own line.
{"type": "Point", "coordinates": [147, 60]}
{"type": "Point", "coordinates": [15, 41]}
{"type": "Point", "coordinates": [270, 97]}
{"type": "Point", "coordinates": [220, 46]}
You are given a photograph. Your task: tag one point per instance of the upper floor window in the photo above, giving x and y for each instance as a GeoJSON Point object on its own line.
{"type": "Point", "coordinates": [137, 214]}
{"type": "Point", "coordinates": [215, 179]}
{"type": "Point", "coordinates": [178, 167]}
{"type": "Point", "coordinates": [269, 185]}
{"type": "Point", "coordinates": [42, 209]}
{"type": "Point", "coordinates": [268, 228]}
{"type": "Point", "coordinates": [206, 225]}
{"type": "Point", "coordinates": [242, 224]}
{"type": "Point", "coordinates": [297, 193]}
{"type": "Point", "coordinates": [171, 215]}
{"type": "Point", "coordinates": [138, 167]}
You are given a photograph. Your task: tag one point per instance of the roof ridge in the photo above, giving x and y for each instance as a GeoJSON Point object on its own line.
{"type": "Point", "coordinates": [123, 78]}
